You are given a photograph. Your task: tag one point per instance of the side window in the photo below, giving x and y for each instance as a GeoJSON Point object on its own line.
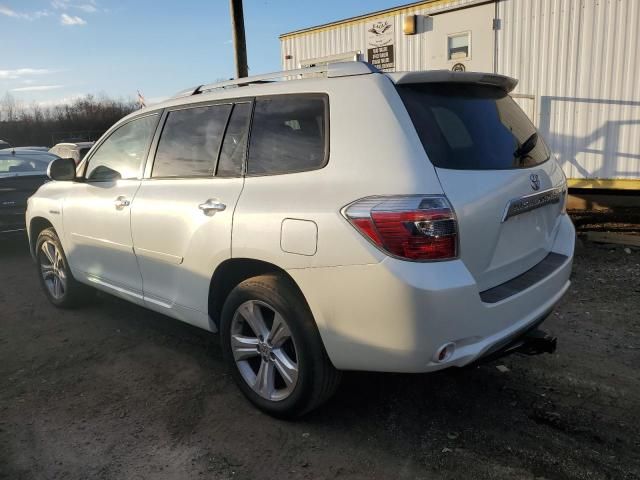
{"type": "Point", "coordinates": [121, 155]}
{"type": "Point", "coordinates": [288, 134]}
{"type": "Point", "coordinates": [234, 146]}
{"type": "Point", "coordinates": [190, 142]}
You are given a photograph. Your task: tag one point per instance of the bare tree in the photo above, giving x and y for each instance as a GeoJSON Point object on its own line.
{"type": "Point", "coordinates": [7, 107]}
{"type": "Point", "coordinates": [84, 118]}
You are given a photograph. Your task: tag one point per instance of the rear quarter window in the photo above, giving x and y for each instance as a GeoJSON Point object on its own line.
{"type": "Point", "coordinates": [288, 134]}
{"type": "Point", "coordinates": [472, 127]}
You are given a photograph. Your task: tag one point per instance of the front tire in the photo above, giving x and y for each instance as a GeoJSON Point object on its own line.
{"type": "Point", "coordinates": [273, 348]}
{"type": "Point", "coordinates": [55, 276]}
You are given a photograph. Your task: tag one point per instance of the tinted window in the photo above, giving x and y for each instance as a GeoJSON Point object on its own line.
{"type": "Point", "coordinates": [121, 155]}
{"type": "Point", "coordinates": [472, 127]}
{"type": "Point", "coordinates": [190, 142]}
{"type": "Point", "coordinates": [287, 134]}
{"type": "Point", "coordinates": [234, 146]}
{"type": "Point", "coordinates": [15, 166]}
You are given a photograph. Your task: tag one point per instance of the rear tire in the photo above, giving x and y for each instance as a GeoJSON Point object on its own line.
{"type": "Point", "coordinates": [272, 346]}
{"type": "Point", "coordinates": [55, 276]}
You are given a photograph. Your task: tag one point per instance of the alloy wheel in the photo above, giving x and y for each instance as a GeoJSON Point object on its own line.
{"type": "Point", "coordinates": [264, 350]}
{"type": "Point", "coordinates": [52, 269]}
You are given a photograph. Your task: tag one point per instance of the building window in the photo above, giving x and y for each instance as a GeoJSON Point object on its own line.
{"type": "Point", "coordinates": [459, 46]}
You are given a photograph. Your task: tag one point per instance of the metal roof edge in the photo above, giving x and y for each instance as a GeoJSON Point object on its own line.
{"type": "Point", "coordinates": [406, 8]}
{"type": "Point", "coordinates": [364, 16]}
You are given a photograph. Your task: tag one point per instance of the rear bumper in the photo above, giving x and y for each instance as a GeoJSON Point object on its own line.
{"type": "Point", "coordinates": [394, 316]}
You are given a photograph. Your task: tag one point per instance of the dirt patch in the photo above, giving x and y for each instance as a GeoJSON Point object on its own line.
{"type": "Point", "coordinates": [113, 391]}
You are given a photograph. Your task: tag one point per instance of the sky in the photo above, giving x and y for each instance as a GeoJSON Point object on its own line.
{"type": "Point", "coordinates": [52, 51]}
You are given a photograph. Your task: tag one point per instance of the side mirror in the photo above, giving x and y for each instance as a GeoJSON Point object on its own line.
{"type": "Point", "coordinates": [102, 173]}
{"type": "Point", "coordinates": [62, 169]}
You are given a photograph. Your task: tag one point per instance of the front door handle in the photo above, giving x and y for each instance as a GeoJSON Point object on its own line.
{"type": "Point", "coordinates": [211, 206]}
{"type": "Point", "coordinates": [121, 202]}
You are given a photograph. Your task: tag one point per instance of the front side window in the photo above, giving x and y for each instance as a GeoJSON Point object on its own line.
{"type": "Point", "coordinates": [121, 155]}
{"type": "Point", "coordinates": [288, 134]}
{"type": "Point", "coordinates": [190, 142]}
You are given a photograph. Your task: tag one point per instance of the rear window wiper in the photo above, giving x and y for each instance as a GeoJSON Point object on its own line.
{"type": "Point", "coordinates": [526, 146]}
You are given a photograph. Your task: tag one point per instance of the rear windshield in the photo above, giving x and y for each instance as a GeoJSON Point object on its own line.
{"type": "Point", "coordinates": [15, 165]}
{"type": "Point", "coordinates": [472, 127]}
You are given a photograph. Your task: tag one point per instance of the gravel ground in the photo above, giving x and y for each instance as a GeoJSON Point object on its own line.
{"type": "Point", "coordinates": [113, 391]}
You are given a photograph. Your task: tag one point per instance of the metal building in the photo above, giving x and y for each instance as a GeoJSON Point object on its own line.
{"type": "Point", "coordinates": [577, 62]}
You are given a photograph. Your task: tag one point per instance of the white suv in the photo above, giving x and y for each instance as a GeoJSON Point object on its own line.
{"type": "Point", "coordinates": [342, 219]}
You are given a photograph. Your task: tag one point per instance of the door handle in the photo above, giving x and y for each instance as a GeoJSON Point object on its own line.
{"type": "Point", "coordinates": [121, 202]}
{"type": "Point", "coordinates": [211, 206]}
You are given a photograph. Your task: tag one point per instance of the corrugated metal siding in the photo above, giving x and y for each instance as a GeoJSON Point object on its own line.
{"type": "Point", "coordinates": [410, 50]}
{"type": "Point", "coordinates": [579, 59]}
{"type": "Point", "coordinates": [577, 62]}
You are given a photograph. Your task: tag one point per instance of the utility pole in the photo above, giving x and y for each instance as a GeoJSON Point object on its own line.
{"type": "Point", "coordinates": [239, 41]}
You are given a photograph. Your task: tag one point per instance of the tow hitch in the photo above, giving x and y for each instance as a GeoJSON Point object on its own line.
{"type": "Point", "coordinates": [534, 342]}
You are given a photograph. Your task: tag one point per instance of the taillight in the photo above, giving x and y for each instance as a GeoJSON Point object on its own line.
{"type": "Point", "coordinates": [413, 227]}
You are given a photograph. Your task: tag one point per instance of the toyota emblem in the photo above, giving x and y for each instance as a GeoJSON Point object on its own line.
{"type": "Point", "coordinates": [535, 181]}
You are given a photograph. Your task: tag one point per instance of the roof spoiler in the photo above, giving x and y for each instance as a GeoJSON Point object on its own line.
{"type": "Point", "coordinates": [446, 76]}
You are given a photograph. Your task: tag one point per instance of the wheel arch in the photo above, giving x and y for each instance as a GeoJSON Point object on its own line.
{"type": "Point", "coordinates": [231, 273]}
{"type": "Point", "coordinates": [37, 225]}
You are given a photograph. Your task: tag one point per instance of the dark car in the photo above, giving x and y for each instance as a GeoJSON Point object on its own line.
{"type": "Point", "coordinates": [21, 174]}
{"type": "Point", "coordinates": [17, 149]}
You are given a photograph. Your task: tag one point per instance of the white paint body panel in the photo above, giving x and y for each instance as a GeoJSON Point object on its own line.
{"type": "Point", "coordinates": [177, 245]}
{"type": "Point", "coordinates": [299, 236]}
{"type": "Point", "coordinates": [495, 251]}
{"type": "Point", "coordinates": [99, 244]}
{"type": "Point", "coordinates": [392, 316]}
{"type": "Point", "coordinates": [373, 312]}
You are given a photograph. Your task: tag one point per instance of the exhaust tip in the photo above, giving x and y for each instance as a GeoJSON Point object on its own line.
{"type": "Point", "coordinates": [445, 352]}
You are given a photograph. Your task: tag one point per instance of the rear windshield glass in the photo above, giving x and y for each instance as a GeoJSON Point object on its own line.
{"type": "Point", "coordinates": [17, 166]}
{"type": "Point", "coordinates": [472, 127]}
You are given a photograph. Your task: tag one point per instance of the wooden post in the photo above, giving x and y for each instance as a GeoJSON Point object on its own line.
{"type": "Point", "coordinates": [239, 41]}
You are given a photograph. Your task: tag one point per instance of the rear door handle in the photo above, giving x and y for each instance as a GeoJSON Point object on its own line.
{"type": "Point", "coordinates": [121, 202]}
{"type": "Point", "coordinates": [211, 206]}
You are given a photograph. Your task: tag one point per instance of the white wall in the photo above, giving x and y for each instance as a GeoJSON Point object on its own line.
{"type": "Point", "coordinates": [425, 50]}
{"type": "Point", "coordinates": [580, 61]}
{"type": "Point", "coordinates": [577, 61]}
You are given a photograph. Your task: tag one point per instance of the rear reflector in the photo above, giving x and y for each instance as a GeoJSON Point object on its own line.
{"type": "Point", "coordinates": [412, 227]}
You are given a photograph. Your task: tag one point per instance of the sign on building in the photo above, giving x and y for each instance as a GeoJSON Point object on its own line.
{"type": "Point", "coordinates": [380, 36]}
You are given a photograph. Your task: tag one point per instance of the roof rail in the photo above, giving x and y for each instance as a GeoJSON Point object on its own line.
{"type": "Point", "coordinates": [332, 70]}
